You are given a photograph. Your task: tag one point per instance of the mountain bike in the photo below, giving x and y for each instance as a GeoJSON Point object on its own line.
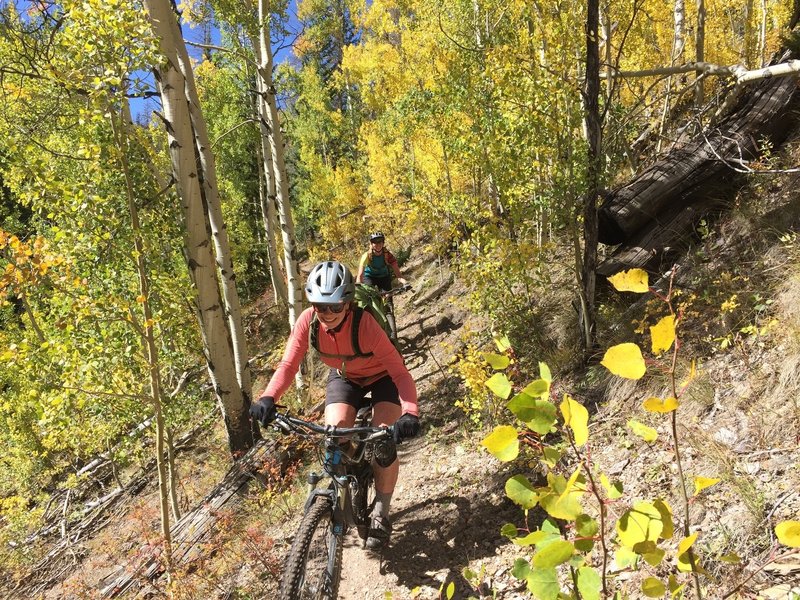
{"type": "Point", "coordinates": [388, 304]}
{"type": "Point", "coordinates": [314, 566]}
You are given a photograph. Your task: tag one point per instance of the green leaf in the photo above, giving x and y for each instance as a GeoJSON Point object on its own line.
{"type": "Point", "coordinates": [544, 372]}
{"type": "Point", "coordinates": [625, 360]}
{"type": "Point", "coordinates": [543, 583]}
{"type": "Point", "coordinates": [509, 530]}
{"type": "Point", "coordinates": [650, 552]}
{"type": "Point", "coordinates": [502, 443]}
{"type": "Point", "coordinates": [653, 588]}
{"type": "Point", "coordinates": [502, 342]}
{"type": "Point", "coordinates": [553, 554]}
{"type": "Point", "coordinates": [551, 455]}
{"type": "Point", "coordinates": [538, 389]}
{"type": "Point", "coordinates": [639, 524]}
{"type": "Point", "coordinates": [561, 499]}
{"type": "Point", "coordinates": [521, 568]}
{"type": "Point", "coordinates": [497, 361]}
{"type": "Point", "coordinates": [589, 583]}
{"type": "Point", "coordinates": [451, 590]}
{"type": "Point", "coordinates": [633, 280]}
{"type": "Point", "coordinates": [648, 434]}
{"type": "Point", "coordinates": [577, 418]}
{"type": "Point", "coordinates": [586, 527]}
{"type": "Point", "coordinates": [538, 415]}
{"type": "Point", "coordinates": [521, 492]}
{"type": "Point", "coordinates": [731, 558]}
{"type": "Point", "coordinates": [500, 385]}
{"type": "Point", "coordinates": [536, 538]}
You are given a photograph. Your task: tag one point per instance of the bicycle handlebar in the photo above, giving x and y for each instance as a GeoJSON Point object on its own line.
{"type": "Point", "coordinates": [398, 290]}
{"type": "Point", "coordinates": [288, 423]}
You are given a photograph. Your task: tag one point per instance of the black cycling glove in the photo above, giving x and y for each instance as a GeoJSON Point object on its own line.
{"type": "Point", "coordinates": [407, 426]}
{"type": "Point", "coordinates": [263, 410]}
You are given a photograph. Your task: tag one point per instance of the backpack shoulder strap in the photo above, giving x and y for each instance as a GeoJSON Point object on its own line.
{"type": "Point", "coordinates": [313, 333]}
{"type": "Point", "coordinates": [357, 314]}
{"type": "Point", "coordinates": [313, 337]}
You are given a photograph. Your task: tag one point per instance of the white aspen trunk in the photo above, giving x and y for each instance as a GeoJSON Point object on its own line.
{"type": "Point", "coordinates": [679, 15]}
{"type": "Point", "coordinates": [218, 347]}
{"type": "Point", "coordinates": [145, 330]}
{"type": "Point", "coordinates": [607, 33]}
{"type": "Point", "coordinates": [213, 206]}
{"type": "Point", "coordinates": [762, 35]}
{"type": "Point", "coordinates": [266, 189]}
{"type": "Point", "coordinates": [476, 15]}
{"type": "Point", "coordinates": [279, 168]}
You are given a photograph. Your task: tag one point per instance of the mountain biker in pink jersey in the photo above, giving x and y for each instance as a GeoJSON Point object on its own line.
{"type": "Point", "coordinates": [378, 369]}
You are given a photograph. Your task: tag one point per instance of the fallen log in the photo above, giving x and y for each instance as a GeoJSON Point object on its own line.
{"type": "Point", "coordinates": [689, 173]}
{"type": "Point", "coordinates": [195, 526]}
{"type": "Point", "coordinates": [655, 247]}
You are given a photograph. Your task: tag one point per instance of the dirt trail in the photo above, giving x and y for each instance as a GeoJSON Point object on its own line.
{"type": "Point", "coordinates": [449, 503]}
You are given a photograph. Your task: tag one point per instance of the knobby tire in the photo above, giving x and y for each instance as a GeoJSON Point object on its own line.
{"type": "Point", "coordinates": [307, 575]}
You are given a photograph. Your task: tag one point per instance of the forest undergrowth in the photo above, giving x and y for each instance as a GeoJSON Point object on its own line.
{"type": "Point", "coordinates": [737, 292]}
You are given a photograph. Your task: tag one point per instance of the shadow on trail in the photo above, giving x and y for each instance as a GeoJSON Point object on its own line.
{"type": "Point", "coordinates": [440, 535]}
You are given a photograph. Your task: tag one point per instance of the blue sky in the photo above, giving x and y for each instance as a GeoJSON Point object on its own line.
{"type": "Point", "coordinates": [142, 108]}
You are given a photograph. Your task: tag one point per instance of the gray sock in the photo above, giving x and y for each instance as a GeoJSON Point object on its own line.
{"type": "Point", "coordinates": [382, 502]}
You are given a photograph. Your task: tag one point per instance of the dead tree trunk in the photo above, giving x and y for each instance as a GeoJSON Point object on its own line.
{"type": "Point", "coordinates": [656, 211]}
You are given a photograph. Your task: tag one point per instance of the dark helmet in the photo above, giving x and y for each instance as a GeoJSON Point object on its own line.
{"type": "Point", "coordinates": [376, 237]}
{"type": "Point", "coordinates": [330, 282]}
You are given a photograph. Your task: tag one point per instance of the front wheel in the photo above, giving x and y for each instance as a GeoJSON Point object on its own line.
{"type": "Point", "coordinates": [314, 566]}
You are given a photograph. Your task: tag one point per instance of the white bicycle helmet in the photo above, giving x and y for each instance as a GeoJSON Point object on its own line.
{"type": "Point", "coordinates": [330, 282]}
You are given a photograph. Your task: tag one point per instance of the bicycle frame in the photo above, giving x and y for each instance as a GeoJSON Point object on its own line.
{"type": "Point", "coordinates": [314, 564]}
{"type": "Point", "coordinates": [337, 465]}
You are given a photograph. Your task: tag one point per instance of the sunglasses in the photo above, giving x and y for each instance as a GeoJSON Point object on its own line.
{"type": "Point", "coordinates": [331, 308]}
{"type": "Point", "coordinates": [377, 241]}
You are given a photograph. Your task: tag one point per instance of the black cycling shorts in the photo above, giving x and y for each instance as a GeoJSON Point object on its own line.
{"type": "Point", "coordinates": [340, 389]}
{"type": "Point", "coordinates": [382, 283]}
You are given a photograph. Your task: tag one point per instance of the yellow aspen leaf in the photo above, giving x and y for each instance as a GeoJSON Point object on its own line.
{"type": "Point", "coordinates": [140, 298]}
{"type": "Point", "coordinates": [666, 518]}
{"type": "Point", "coordinates": [648, 434]}
{"type": "Point", "coordinates": [662, 334]}
{"type": "Point", "coordinates": [653, 588]}
{"type": "Point", "coordinates": [500, 385]}
{"type": "Point", "coordinates": [687, 542]}
{"type": "Point", "coordinates": [641, 523]}
{"type": "Point", "coordinates": [660, 406]}
{"type": "Point", "coordinates": [633, 280]}
{"type": "Point", "coordinates": [576, 417]}
{"type": "Point", "coordinates": [503, 443]}
{"type": "Point", "coordinates": [701, 483]}
{"type": "Point", "coordinates": [788, 533]}
{"type": "Point", "coordinates": [625, 360]}
{"type": "Point", "coordinates": [614, 490]}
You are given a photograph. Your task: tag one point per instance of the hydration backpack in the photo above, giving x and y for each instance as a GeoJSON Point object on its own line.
{"type": "Point", "coordinates": [367, 299]}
